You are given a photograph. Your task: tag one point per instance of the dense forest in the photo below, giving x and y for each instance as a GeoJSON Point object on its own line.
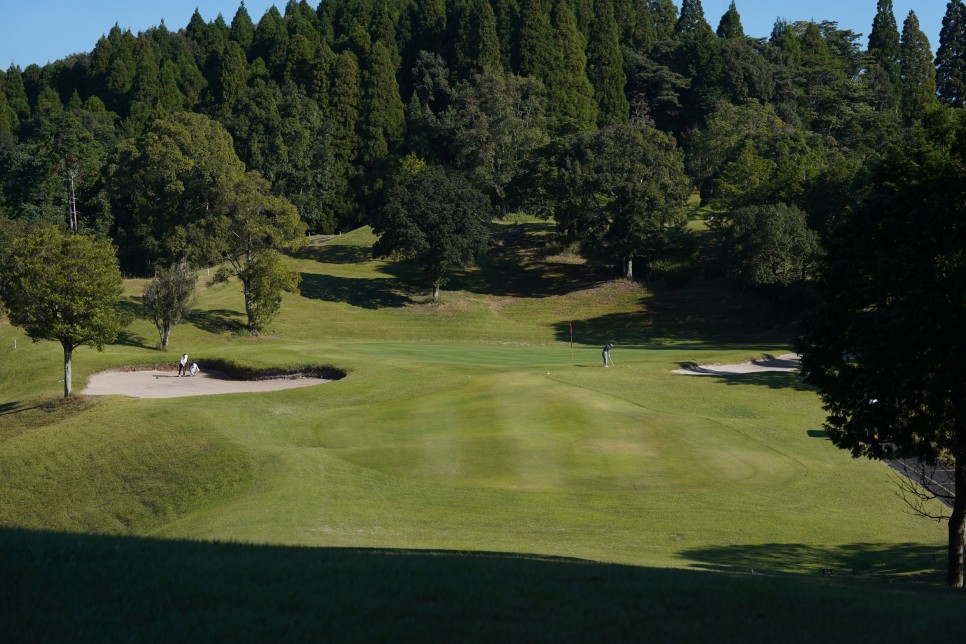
{"type": "Point", "coordinates": [605, 116]}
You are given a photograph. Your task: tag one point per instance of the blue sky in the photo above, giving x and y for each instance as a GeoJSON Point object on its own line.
{"type": "Point", "coordinates": [42, 31]}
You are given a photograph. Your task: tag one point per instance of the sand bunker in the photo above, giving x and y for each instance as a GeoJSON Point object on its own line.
{"type": "Point", "coordinates": [167, 384]}
{"type": "Point", "coordinates": [785, 362]}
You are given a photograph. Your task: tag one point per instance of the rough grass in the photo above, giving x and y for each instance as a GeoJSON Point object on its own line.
{"type": "Point", "coordinates": [469, 425]}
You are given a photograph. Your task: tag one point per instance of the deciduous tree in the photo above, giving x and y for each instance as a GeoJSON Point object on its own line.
{"type": "Point", "coordinates": [885, 347]}
{"type": "Point", "coordinates": [168, 298]}
{"type": "Point", "coordinates": [65, 288]}
{"type": "Point", "coordinates": [621, 191]}
{"type": "Point", "coordinates": [435, 218]}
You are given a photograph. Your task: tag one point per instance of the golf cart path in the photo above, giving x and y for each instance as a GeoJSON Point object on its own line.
{"type": "Point", "coordinates": [784, 362]}
{"type": "Point", "coordinates": [167, 384]}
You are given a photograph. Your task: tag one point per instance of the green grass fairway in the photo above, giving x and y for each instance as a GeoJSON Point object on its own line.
{"type": "Point", "coordinates": [471, 426]}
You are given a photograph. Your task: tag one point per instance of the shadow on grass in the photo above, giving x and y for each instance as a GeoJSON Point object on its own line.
{"type": "Point", "coordinates": [216, 321]}
{"type": "Point", "coordinates": [106, 588]}
{"type": "Point", "coordinates": [360, 292]}
{"type": "Point", "coordinates": [10, 408]}
{"type": "Point", "coordinates": [704, 315]}
{"type": "Point", "coordinates": [770, 379]}
{"type": "Point", "coordinates": [861, 559]}
{"type": "Point", "coordinates": [516, 266]}
{"type": "Point", "coordinates": [334, 253]}
{"type": "Point", "coordinates": [131, 308]}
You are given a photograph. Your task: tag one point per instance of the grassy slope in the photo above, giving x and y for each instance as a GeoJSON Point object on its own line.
{"type": "Point", "coordinates": [465, 426]}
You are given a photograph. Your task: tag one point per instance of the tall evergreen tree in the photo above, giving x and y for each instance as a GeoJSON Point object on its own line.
{"type": "Point", "coordinates": [605, 66]}
{"type": "Point", "coordinates": [665, 14]}
{"type": "Point", "coordinates": [242, 27]}
{"type": "Point", "coordinates": [644, 34]}
{"type": "Point", "coordinates": [343, 112]}
{"type": "Point", "coordinates": [538, 55]}
{"type": "Point", "coordinates": [884, 41]}
{"type": "Point", "coordinates": [571, 94]}
{"type": "Point", "coordinates": [918, 83]}
{"type": "Point", "coordinates": [730, 25]}
{"type": "Point", "coordinates": [507, 14]}
{"type": "Point", "coordinates": [269, 42]}
{"type": "Point", "coordinates": [13, 89]}
{"type": "Point", "coordinates": [784, 37]}
{"type": "Point", "coordinates": [382, 116]}
{"type": "Point", "coordinates": [146, 86]}
{"type": "Point", "coordinates": [691, 18]}
{"type": "Point", "coordinates": [951, 55]}
{"type": "Point", "coordinates": [476, 44]}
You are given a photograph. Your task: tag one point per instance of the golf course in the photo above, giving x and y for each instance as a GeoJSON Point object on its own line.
{"type": "Point", "coordinates": [474, 474]}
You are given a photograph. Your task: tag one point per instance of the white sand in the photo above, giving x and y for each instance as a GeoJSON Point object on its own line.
{"type": "Point", "coordinates": [785, 362]}
{"type": "Point", "coordinates": [167, 384]}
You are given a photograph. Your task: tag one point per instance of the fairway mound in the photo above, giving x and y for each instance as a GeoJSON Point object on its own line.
{"type": "Point", "coordinates": [162, 381]}
{"type": "Point", "coordinates": [784, 362]}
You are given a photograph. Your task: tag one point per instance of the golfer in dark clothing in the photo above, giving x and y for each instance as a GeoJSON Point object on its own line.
{"type": "Point", "coordinates": [606, 353]}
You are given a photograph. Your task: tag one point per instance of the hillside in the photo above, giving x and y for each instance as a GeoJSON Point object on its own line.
{"type": "Point", "coordinates": [466, 427]}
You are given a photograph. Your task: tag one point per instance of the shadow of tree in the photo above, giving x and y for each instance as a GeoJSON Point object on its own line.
{"type": "Point", "coordinates": [363, 293]}
{"type": "Point", "coordinates": [10, 408]}
{"type": "Point", "coordinates": [851, 559]}
{"type": "Point", "coordinates": [156, 590]}
{"type": "Point", "coordinates": [700, 315]}
{"type": "Point", "coordinates": [127, 338]}
{"type": "Point", "coordinates": [334, 253]}
{"type": "Point", "coordinates": [770, 379]}
{"type": "Point", "coordinates": [131, 308]}
{"type": "Point", "coordinates": [217, 321]}
{"type": "Point", "coordinates": [517, 266]}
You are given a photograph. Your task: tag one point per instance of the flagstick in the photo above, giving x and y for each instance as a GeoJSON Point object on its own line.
{"type": "Point", "coordinates": [571, 341]}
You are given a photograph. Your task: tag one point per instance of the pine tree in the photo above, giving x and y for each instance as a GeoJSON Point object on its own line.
{"type": "Point", "coordinates": [269, 42]}
{"type": "Point", "coordinates": [884, 41]}
{"type": "Point", "coordinates": [951, 55]}
{"type": "Point", "coordinates": [146, 86]}
{"type": "Point", "coordinates": [476, 45]}
{"type": "Point", "coordinates": [691, 18]}
{"type": "Point", "coordinates": [784, 37]}
{"type": "Point", "coordinates": [644, 34]}
{"type": "Point", "coordinates": [345, 102]}
{"type": "Point", "coordinates": [571, 94]}
{"type": "Point", "coordinates": [665, 14]}
{"type": "Point", "coordinates": [584, 13]}
{"type": "Point", "coordinates": [730, 25]}
{"type": "Point", "coordinates": [605, 67]}
{"type": "Point", "coordinates": [170, 97]}
{"type": "Point", "coordinates": [507, 14]}
{"type": "Point", "coordinates": [16, 93]}
{"type": "Point", "coordinates": [538, 56]}
{"type": "Point", "coordinates": [918, 85]}
{"type": "Point", "coordinates": [242, 28]}
{"type": "Point", "coordinates": [382, 112]}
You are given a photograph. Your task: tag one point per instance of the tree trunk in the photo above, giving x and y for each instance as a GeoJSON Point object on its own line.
{"type": "Point", "coordinates": [248, 310]}
{"type": "Point", "coordinates": [957, 525]}
{"type": "Point", "coordinates": [71, 203]}
{"type": "Point", "coordinates": [629, 267]}
{"type": "Point", "coordinates": [436, 291]}
{"type": "Point", "coordinates": [165, 335]}
{"type": "Point", "coordinates": [67, 375]}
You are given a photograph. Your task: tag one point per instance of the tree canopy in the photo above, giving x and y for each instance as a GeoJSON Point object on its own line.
{"type": "Point", "coordinates": [435, 218]}
{"type": "Point", "coordinates": [884, 349]}
{"type": "Point", "coordinates": [63, 287]}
